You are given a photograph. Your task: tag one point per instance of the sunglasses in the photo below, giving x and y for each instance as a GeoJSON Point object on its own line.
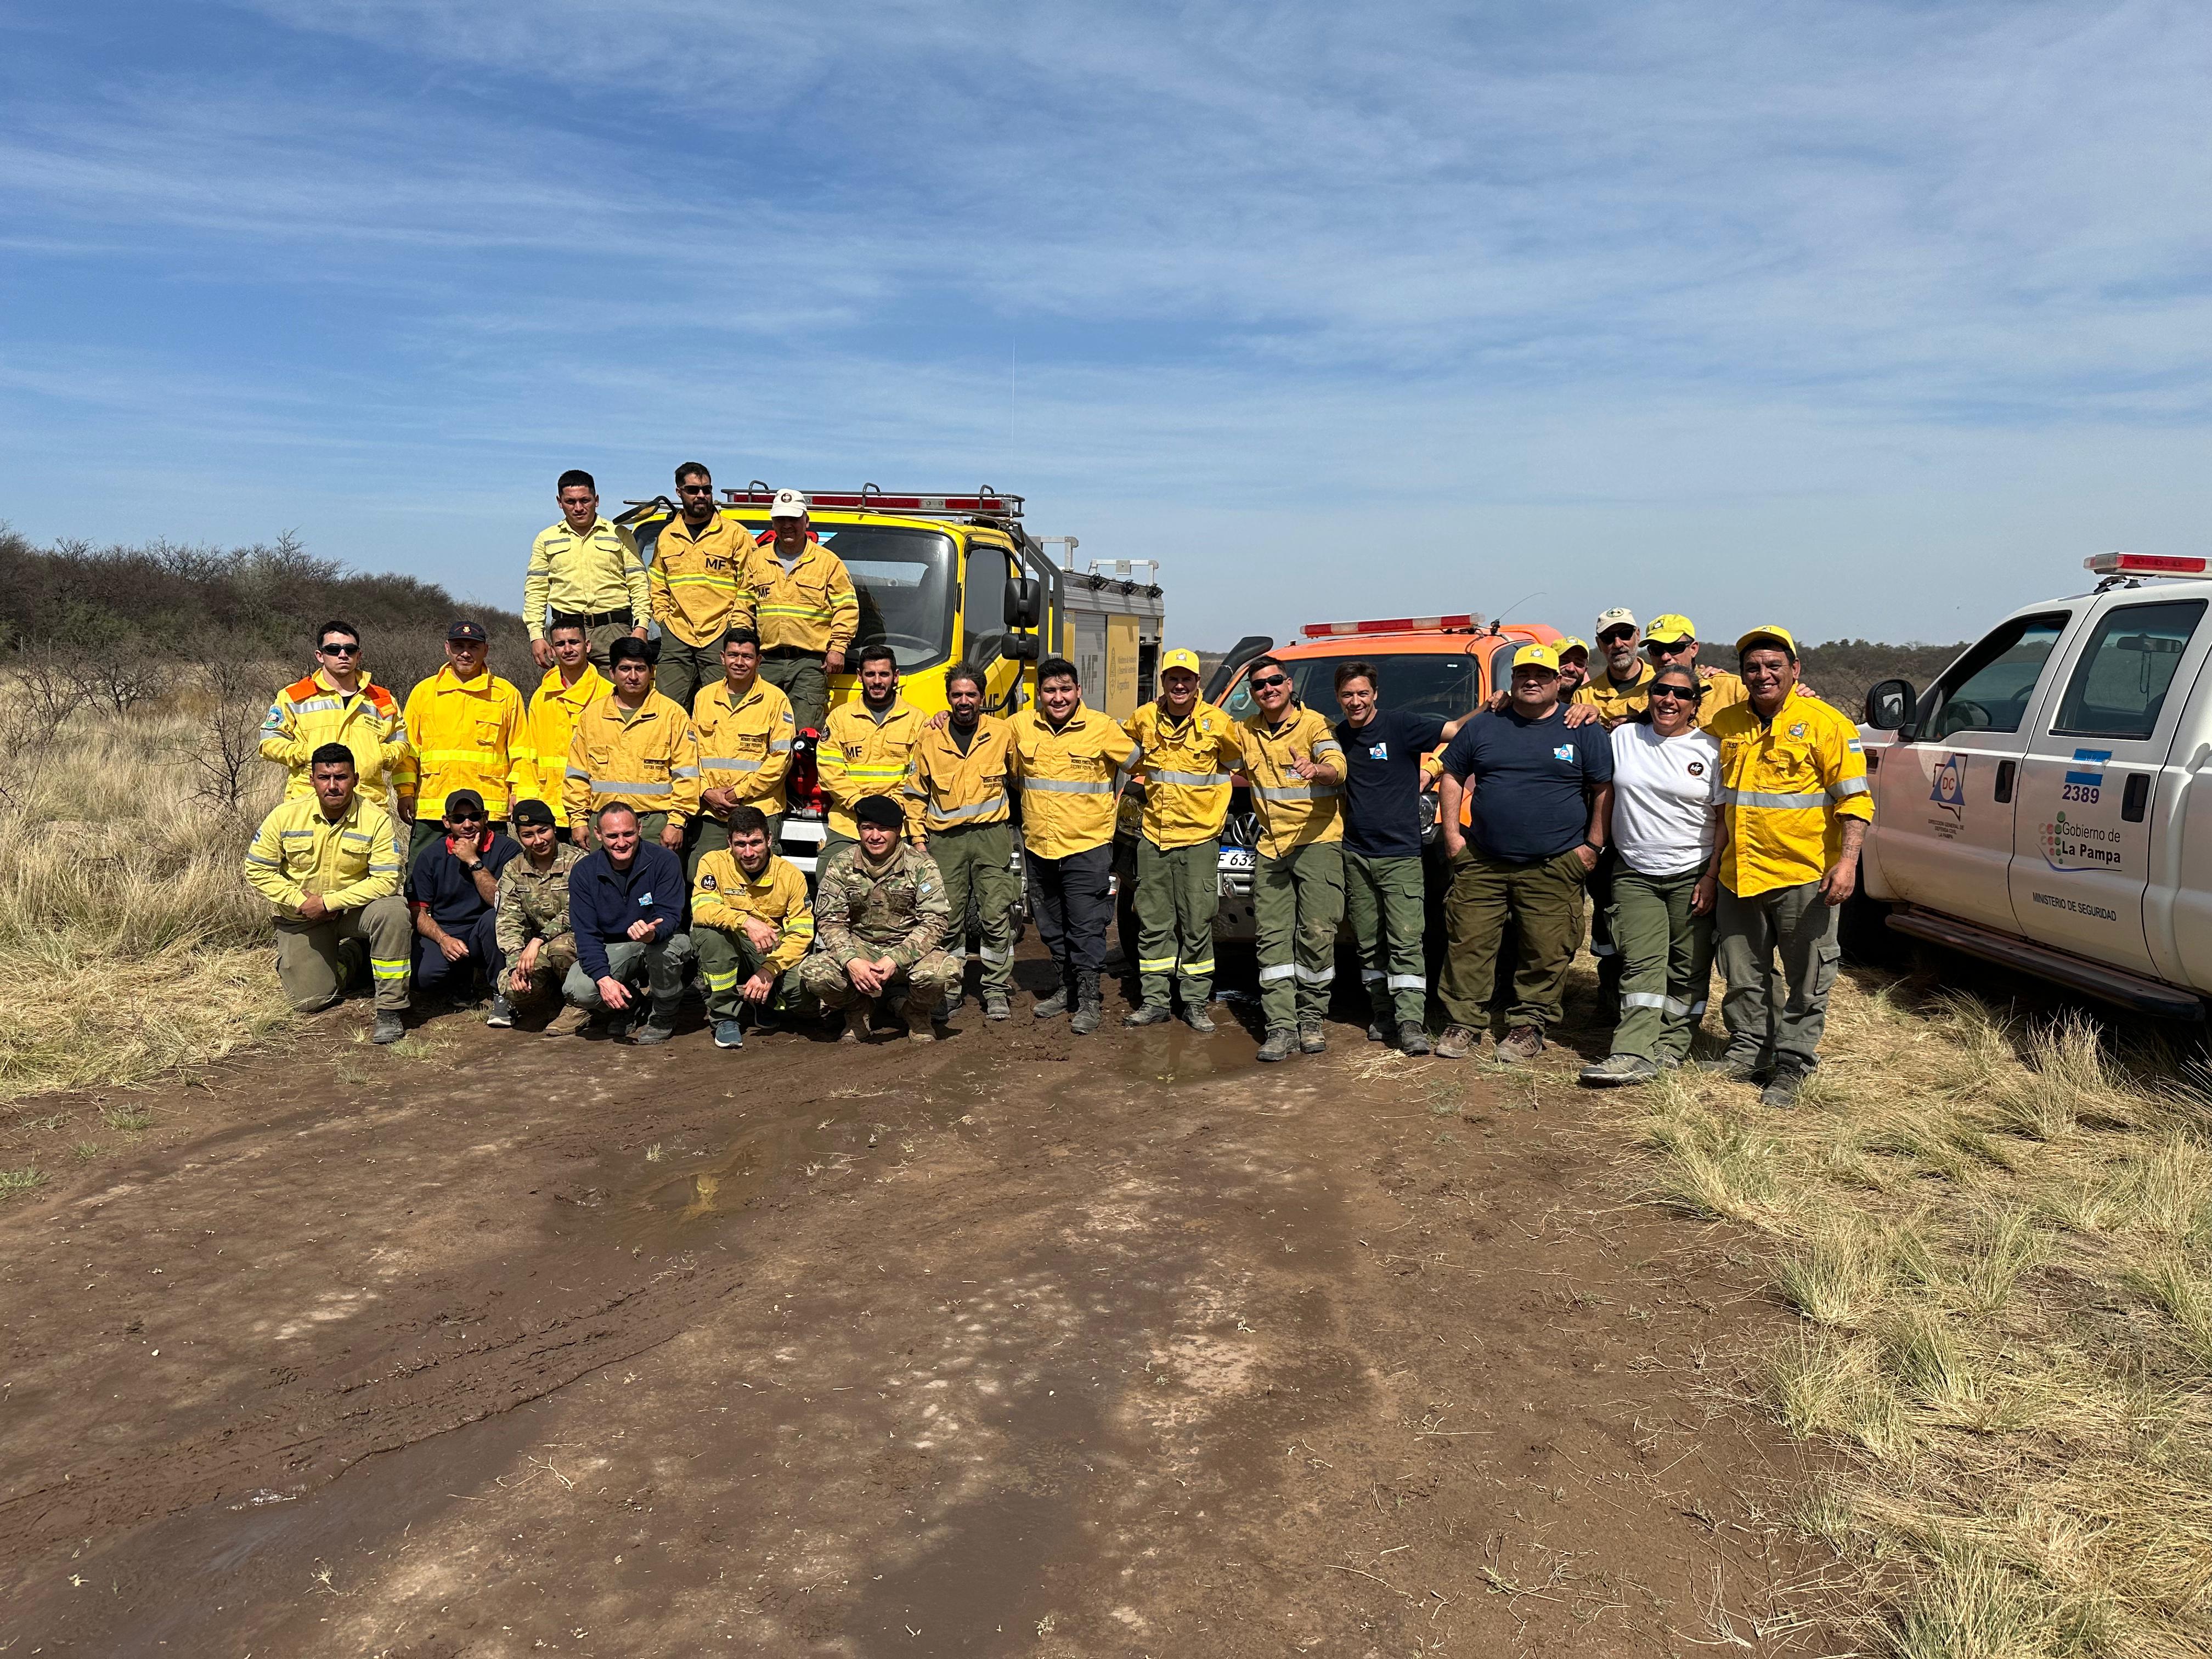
{"type": "Point", "coordinates": [1683, 693]}
{"type": "Point", "coordinates": [1613, 634]}
{"type": "Point", "coordinates": [465, 818]}
{"type": "Point", "coordinates": [1272, 681]}
{"type": "Point", "coordinates": [339, 650]}
{"type": "Point", "coordinates": [1667, 648]}
{"type": "Point", "coordinates": [696, 489]}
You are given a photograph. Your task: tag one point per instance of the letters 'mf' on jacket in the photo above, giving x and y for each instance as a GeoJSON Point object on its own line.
{"type": "Point", "coordinates": [897, 908]}
{"type": "Point", "coordinates": [310, 712]}
{"type": "Point", "coordinates": [809, 607]}
{"type": "Point", "coordinates": [862, 754]}
{"type": "Point", "coordinates": [702, 584]}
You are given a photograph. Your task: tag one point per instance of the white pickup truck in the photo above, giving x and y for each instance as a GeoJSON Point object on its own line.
{"type": "Point", "coordinates": [2046, 804]}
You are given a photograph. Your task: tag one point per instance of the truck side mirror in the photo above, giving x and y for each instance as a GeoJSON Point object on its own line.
{"type": "Point", "coordinates": [1020, 647]}
{"type": "Point", "coordinates": [1024, 606]}
{"type": "Point", "coordinates": [1889, 705]}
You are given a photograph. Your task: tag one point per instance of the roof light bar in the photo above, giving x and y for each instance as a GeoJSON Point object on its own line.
{"type": "Point", "coordinates": [1388, 625]}
{"type": "Point", "coordinates": [2144, 564]}
{"type": "Point", "coordinates": [869, 498]}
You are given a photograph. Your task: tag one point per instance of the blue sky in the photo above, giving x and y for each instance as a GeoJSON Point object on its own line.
{"type": "Point", "coordinates": [1869, 318]}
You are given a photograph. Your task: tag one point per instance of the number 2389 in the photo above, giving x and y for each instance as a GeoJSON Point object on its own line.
{"type": "Point", "coordinates": [2083, 791]}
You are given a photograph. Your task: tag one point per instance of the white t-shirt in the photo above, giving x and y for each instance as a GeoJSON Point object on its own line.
{"type": "Point", "coordinates": [1664, 790]}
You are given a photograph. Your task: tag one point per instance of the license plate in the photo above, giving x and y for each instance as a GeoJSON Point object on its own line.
{"type": "Point", "coordinates": [1238, 858]}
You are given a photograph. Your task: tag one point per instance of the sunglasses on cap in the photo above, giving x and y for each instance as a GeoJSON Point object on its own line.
{"type": "Point", "coordinates": [1684, 693]}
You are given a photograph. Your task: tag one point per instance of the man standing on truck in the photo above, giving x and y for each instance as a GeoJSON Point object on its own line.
{"type": "Point", "coordinates": [584, 570]}
{"type": "Point", "coordinates": [1072, 761]}
{"type": "Point", "coordinates": [1187, 749]}
{"type": "Point", "coordinates": [1296, 767]}
{"type": "Point", "coordinates": [1794, 809]}
{"type": "Point", "coordinates": [867, 749]}
{"type": "Point", "coordinates": [808, 612]}
{"type": "Point", "coordinates": [1540, 791]}
{"type": "Point", "coordinates": [701, 570]}
{"type": "Point", "coordinates": [962, 768]}
{"type": "Point", "coordinates": [1385, 892]}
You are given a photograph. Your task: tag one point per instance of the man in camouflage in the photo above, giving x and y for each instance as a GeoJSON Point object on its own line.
{"type": "Point", "coordinates": [532, 910]}
{"type": "Point", "coordinates": [880, 920]}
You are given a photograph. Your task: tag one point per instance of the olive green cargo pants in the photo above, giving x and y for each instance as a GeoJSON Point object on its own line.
{"type": "Point", "coordinates": [977, 863]}
{"type": "Point", "coordinates": [1384, 901]}
{"type": "Point", "coordinates": [1765, 1025]}
{"type": "Point", "coordinates": [311, 971]}
{"type": "Point", "coordinates": [727, 958]}
{"type": "Point", "coordinates": [1543, 899]}
{"type": "Point", "coordinates": [807, 683]}
{"type": "Point", "coordinates": [1666, 962]}
{"type": "Point", "coordinates": [1178, 891]}
{"type": "Point", "coordinates": [1297, 900]}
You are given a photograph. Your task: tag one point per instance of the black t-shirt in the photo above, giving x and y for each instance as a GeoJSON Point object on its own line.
{"type": "Point", "coordinates": [1383, 781]}
{"type": "Point", "coordinates": [1533, 780]}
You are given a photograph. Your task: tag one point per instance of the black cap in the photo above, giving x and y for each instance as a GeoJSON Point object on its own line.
{"type": "Point", "coordinates": [627, 647]}
{"type": "Point", "coordinates": [463, 797]}
{"type": "Point", "coordinates": [466, 630]}
{"type": "Point", "coordinates": [880, 811]}
{"type": "Point", "coordinates": [533, 812]}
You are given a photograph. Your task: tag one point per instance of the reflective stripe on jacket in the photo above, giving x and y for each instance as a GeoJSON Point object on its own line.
{"type": "Point", "coordinates": [745, 745]}
{"type": "Point", "coordinates": [553, 711]}
{"type": "Point", "coordinates": [860, 755]}
{"type": "Point", "coordinates": [1187, 766]}
{"type": "Point", "coordinates": [646, 759]}
{"type": "Point", "coordinates": [1786, 787]}
{"type": "Point", "coordinates": [472, 735]}
{"type": "Point", "coordinates": [957, 790]}
{"type": "Point", "coordinates": [723, 895]}
{"type": "Point", "coordinates": [350, 859]}
{"type": "Point", "coordinates": [813, 608]}
{"type": "Point", "coordinates": [1068, 779]}
{"type": "Point", "coordinates": [702, 588]}
{"type": "Point", "coordinates": [584, 575]}
{"type": "Point", "coordinates": [1292, 811]}
{"type": "Point", "coordinates": [310, 712]}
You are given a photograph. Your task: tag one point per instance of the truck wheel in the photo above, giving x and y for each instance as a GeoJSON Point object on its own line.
{"type": "Point", "coordinates": [1863, 932]}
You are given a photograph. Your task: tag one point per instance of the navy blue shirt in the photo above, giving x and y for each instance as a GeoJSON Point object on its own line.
{"type": "Point", "coordinates": [603, 901]}
{"type": "Point", "coordinates": [1533, 781]}
{"type": "Point", "coordinates": [439, 885]}
{"type": "Point", "coordinates": [1383, 781]}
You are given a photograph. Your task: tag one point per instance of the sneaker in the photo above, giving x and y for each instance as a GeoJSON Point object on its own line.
{"type": "Point", "coordinates": [1052, 1007]}
{"type": "Point", "coordinates": [1152, 1013]}
{"type": "Point", "coordinates": [1732, 1069]}
{"type": "Point", "coordinates": [728, 1034]}
{"type": "Point", "coordinates": [1413, 1037]}
{"type": "Point", "coordinates": [1199, 1020]}
{"type": "Point", "coordinates": [856, 1027]}
{"type": "Point", "coordinates": [1522, 1044]}
{"type": "Point", "coordinates": [995, 1005]}
{"type": "Point", "coordinates": [1616, 1069]}
{"type": "Point", "coordinates": [390, 1027]}
{"type": "Point", "coordinates": [501, 1014]}
{"type": "Point", "coordinates": [1281, 1044]}
{"type": "Point", "coordinates": [650, 1031]}
{"type": "Point", "coordinates": [1781, 1089]}
{"type": "Point", "coordinates": [1378, 1030]}
{"type": "Point", "coordinates": [1457, 1042]}
{"type": "Point", "coordinates": [1312, 1040]}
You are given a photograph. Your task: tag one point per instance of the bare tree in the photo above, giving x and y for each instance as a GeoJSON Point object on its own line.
{"type": "Point", "coordinates": [229, 695]}
{"type": "Point", "coordinates": [33, 708]}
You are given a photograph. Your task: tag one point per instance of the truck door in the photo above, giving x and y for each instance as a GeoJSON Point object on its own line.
{"type": "Point", "coordinates": [1944, 802]}
{"type": "Point", "coordinates": [2090, 783]}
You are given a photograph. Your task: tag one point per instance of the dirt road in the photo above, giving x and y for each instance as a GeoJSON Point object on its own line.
{"type": "Point", "coordinates": [1017, 1344]}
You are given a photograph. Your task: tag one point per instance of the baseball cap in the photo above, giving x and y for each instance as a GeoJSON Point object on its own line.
{"type": "Point", "coordinates": [1537, 656]}
{"type": "Point", "coordinates": [462, 798]}
{"type": "Point", "coordinates": [1181, 657]}
{"type": "Point", "coordinates": [528, 812]}
{"type": "Point", "coordinates": [1618, 616]}
{"type": "Point", "coordinates": [1570, 643]}
{"type": "Point", "coordinates": [466, 630]}
{"type": "Point", "coordinates": [789, 504]}
{"type": "Point", "coordinates": [1670, 629]}
{"type": "Point", "coordinates": [879, 809]}
{"type": "Point", "coordinates": [1780, 636]}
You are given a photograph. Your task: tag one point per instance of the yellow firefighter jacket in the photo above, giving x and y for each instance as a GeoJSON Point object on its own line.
{"type": "Point", "coordinates": [1068, 780]}
{"type": "Point", "coordinates": [860, 755]}
{"type": "Point", "coordinates": [645, 758]}
{"type": "Point", "coordinates": [957, 790]}
{"type": "Point", "coordinates": [1187, 766]}
{"type": "Point", "coordinates": [1786, 785]}
{"type": "Point", "coordinates": [701, 585]}
{"type": "Point", "coordinates": [310, 712]}
{"type": "Point", "coordinates": [466, 734]}
{"type": "Point", "coordinates": [349, 859]}
{"type": "Point", "coordinates": [811, 608]}
{"type": "Point", "coordinates": [553, 711]}
{"type": "Point", "coordinates": [745, 744]}
{"type": "Point", "coordinates": [723, 895]}
{"type": "Point", "coordinates": [1292, 811]}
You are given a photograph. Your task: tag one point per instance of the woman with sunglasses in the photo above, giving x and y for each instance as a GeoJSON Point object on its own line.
{"type": "Point", "coordinates": [1666, 817]}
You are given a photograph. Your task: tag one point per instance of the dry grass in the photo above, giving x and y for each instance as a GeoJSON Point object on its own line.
{"type": "Point", "coordinates": [1997, 1232]}
{"type": "Point", "coordinates": [129, 943]}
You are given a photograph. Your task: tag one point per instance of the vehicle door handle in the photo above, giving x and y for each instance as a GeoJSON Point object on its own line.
{"type": "Point", "coordinates": [2137, 799]}
{"type": "Point", "coordinates": [2004, 781]}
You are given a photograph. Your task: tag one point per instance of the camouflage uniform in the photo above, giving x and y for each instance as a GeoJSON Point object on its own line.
{"type": "Point", "coordinates": [896, 909]}
{"type": "Point", "coordinates": [534, 904]}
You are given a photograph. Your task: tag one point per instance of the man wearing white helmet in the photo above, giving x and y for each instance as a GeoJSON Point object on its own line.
{"type": "Point", "coordinates": [808, 612]}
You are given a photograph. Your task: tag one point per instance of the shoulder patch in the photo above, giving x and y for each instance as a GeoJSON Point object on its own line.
{"type": "Point", "coordinates": [707, 881]}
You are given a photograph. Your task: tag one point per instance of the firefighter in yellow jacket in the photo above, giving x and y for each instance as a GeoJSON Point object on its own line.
{"type": "Point", "coordinates": [337, 703]}
{"type": "Point", "coordinates": [635, 748]}
{"type": "Point", "coordinates": [570, 686]}
{"type": "Point", "coordinates": [701, 580]}
{"type": "Point", "coordinates": [963, 764]}
{"type": "Point", "coordinates": [1188, 751]}
{"type": "Point", "coordinates": [867, 749]}
{"type": "Point", "coordinates": [327, 861]}
{"type": "Point", "coordinates": [466, 729]}
{"type": "Point", "coordinates": [1795, 806]}
{"type": "Point", "coordinates": [1072, 762]}
{"type": "Point", "coordinates": [807, 613]}
{"type": "Point", "coordinates": [745, 733]}
{"type": "Point", "coordinates": [1296, 767]}
{"type": "Point", "coordinates": [750, 924]}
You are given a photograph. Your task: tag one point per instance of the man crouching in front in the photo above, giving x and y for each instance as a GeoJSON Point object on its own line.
{"type": "Point", "coordinates": [626, 909]}
{"type": "Point", "coordinates": [880, 919]}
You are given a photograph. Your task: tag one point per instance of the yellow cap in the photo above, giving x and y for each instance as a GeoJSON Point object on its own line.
{"type": "Point", "coordinates": [1181, 657]}
{"type": "Point", "coordinates": [1770, 634]}
{"type": "Point", "coordinates": [1537, 656]}
{"type": "Point", "coordinates": [1570, 643]}
{"type": "Point", "coordinates": [1670, 629]}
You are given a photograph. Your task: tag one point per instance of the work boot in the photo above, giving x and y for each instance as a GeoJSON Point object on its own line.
{"type": "Point", "coordinates": [1312, 1040]}
{"type": "Point", "coordinates": [391, 1026]}
{"type": "Point", "coordinates": [944, 1016]}
{"type": "Point", "coordinates": [1522, 1044]}
{"type": "Point", "coordinates": [1616, 1069]}
{"type": "Point", "coordinates": [1378, 1029]}
{"type": "Point", "coordinates": [1089, 1005]}
{"type": "Point", "coordinates": [1413, 1037]}
{"type": "Point", "coordinates": [857, 1029]}
{"type": "Point", "coordinates": [1152, 1013]}
{"type": "Point", "coordinates": [1282, 1043]}
{"type": "Point", "coordinates": [728, 1034]}
{"type": "Point", "coordinates": [654, 1028]}
{"type": "Point", "coordinates": [1195, 1016]}
{"type": "Point", "coordinates": [919, 1030]}
{"type": "Point", "coordinates": [501, 1015]}
{"type": "Point", "coordinates": [571, 1021]}
{"type": "Point", "coordinates": [1781, 1089]}
{"type": "Point", "coordinates": [1457, 1042]}
{"type": "Point", "coordinates": [1733, 1068]}
{"type": "Point", "coordinates": [995, 1005]}
{"type": "Point", "coordinates": [1052, 1007]}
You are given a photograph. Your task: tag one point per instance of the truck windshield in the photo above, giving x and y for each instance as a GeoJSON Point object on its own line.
{"type": "Point", "coordinates": [1436, 682]}
{"type": "Point", "coordinates": [904, 579]}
